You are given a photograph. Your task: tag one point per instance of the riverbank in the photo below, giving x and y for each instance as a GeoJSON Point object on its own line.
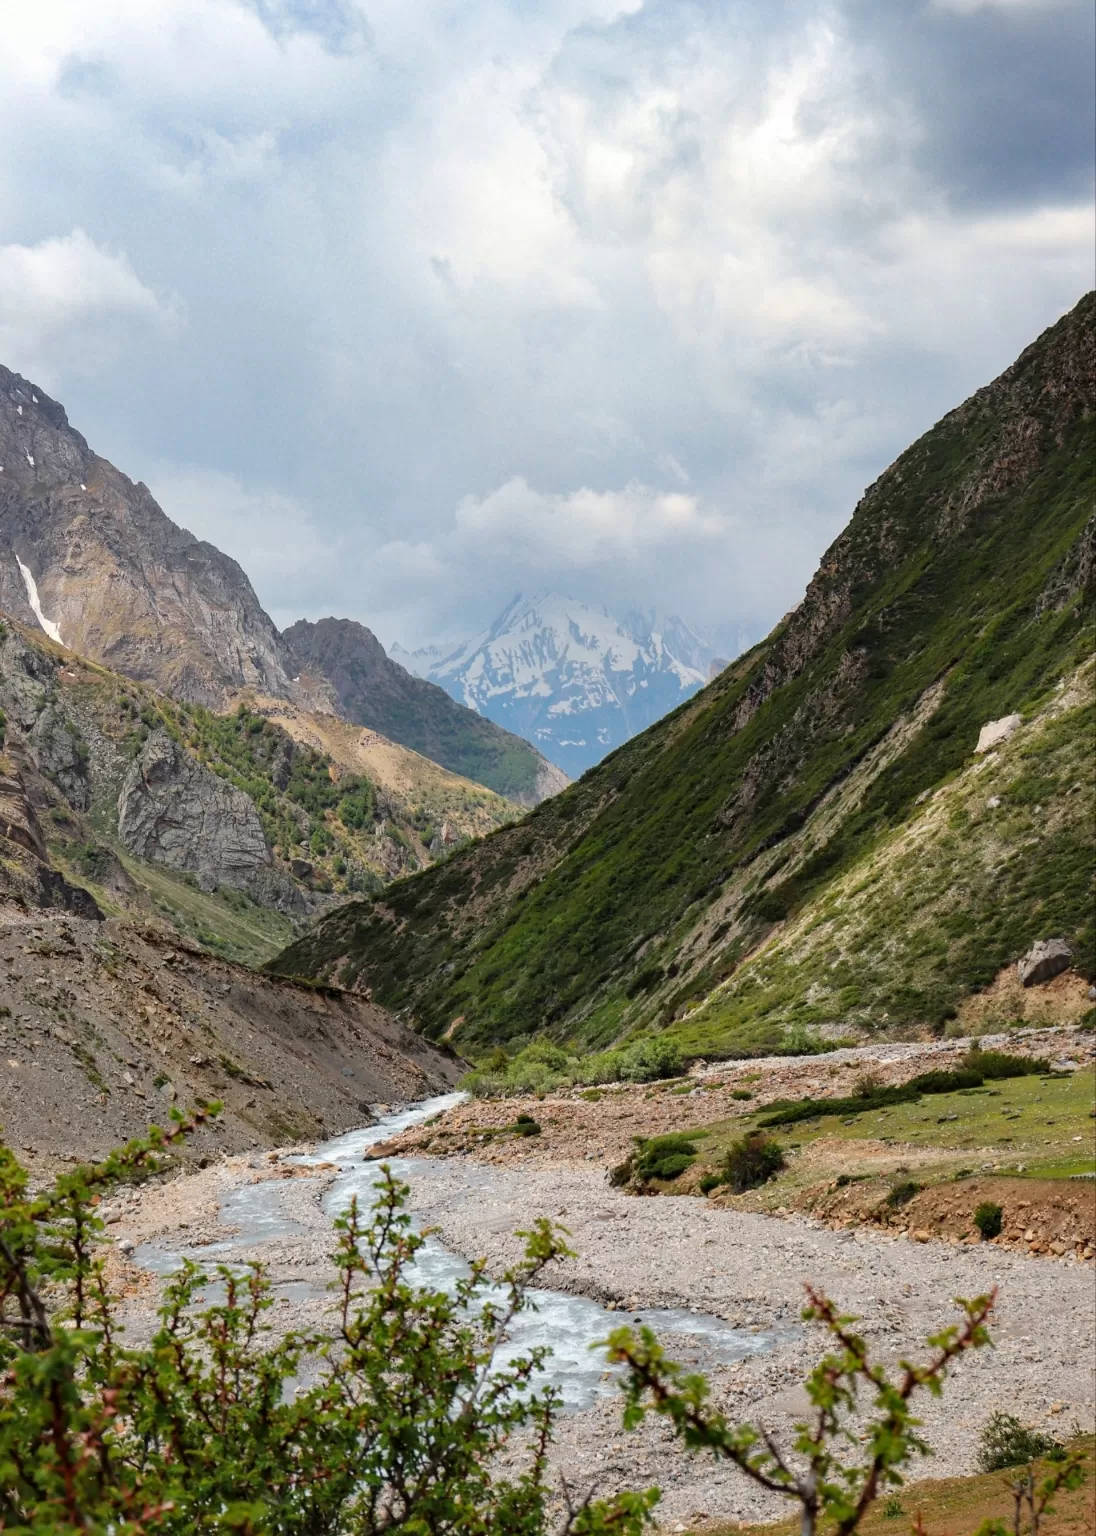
{"type": "Point", "coordinates": [745, 1267]}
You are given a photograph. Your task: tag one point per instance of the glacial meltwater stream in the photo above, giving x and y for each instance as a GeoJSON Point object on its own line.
{"type": "Point", "coordinates": [569, 1325]}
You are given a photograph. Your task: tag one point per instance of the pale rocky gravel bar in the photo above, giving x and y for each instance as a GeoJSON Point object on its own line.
{"type": "Point", "coordinates": [747, 1268]}
{"type": "Point", "coordinates": [751, 1269]}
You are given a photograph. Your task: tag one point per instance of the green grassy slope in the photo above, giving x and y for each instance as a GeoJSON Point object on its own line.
{"type": "Point", "coordinates": [960, 592]}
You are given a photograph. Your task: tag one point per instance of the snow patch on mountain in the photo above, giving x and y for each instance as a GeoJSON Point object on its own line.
{"type": "Point", "coordinates": [574, 680]}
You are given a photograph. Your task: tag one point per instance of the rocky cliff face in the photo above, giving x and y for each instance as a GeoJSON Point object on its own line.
{"type": "Point", "coordinates": [374, 691]}
{"type": "Point", "coordinates": [174, 812]}
{"type": "Point", "coordinates": [89, 557]}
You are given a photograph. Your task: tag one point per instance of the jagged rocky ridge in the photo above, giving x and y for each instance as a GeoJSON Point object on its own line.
{"type": "Point", "coordinates": [88, 557]}
{"type": "Point", "coordinates": [811, 843]}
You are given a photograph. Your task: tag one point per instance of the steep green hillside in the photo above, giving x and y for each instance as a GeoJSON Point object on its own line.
{"type": "Point", "coordinates": [377, 692]}
{"type": "Point", "coordinates": [825, 787]}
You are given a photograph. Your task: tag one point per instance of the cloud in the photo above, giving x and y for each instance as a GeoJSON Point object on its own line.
{"type": "Point", "coordinates": [631, 297]}
{"type": "Point", "coordinates": [65, 300]}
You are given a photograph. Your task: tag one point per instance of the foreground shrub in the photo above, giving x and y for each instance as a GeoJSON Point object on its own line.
{"type": "Point", "coordinates": [752, 1161]}
{"type": "Point", "coordinates": [902, 1193]}
{"type": "Point", "coordinates": [988, 1218]}
{"type": "Point", "coordinates": [1006, 1442]}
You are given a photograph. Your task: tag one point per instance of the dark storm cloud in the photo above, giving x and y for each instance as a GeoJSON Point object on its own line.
{"type": "Point", "coordinates": [1003, 94]}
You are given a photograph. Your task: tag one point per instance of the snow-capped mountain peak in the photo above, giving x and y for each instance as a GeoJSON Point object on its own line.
{"type": "Point", "coordinates": [569, 677]}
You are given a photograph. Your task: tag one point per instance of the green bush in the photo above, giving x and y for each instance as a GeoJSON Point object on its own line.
{"type": "Point", "coordinates": [996, 1065]}
{"type": "Point", "coordinates": [1006, 1442]}
{"type": "Point", "coordinates": [525, 1125]}
{"type": "Point", "coordinates": [987, 1218]}
{"type": "Point", "coordinates": [709, 1182]}
{"type": "Point", "coordinates": [902, 1193]}
{"type": "Point", "coordinates": [741, 1093]}
{"type": "Point", "coordinates": [752, 1161]}
{"type": "Point", "coordinates": [664, 1157]}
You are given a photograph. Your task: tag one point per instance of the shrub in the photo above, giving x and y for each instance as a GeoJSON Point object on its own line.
{"type": "Point", "coordinates": [867, 1084]}
{"type": "Point", "coordinates": [902, 1193]}
{"type": "Point", "coordinates": [709, 1182]}
{"type": "Point", "coordinates": [995, 1065]}
{"type": "Point", "coordinates": [752, 1161]}
{"type": "Point", "coordinates": [664, 1157]}
{"type": "Point", "coordinates": [1006, 1442]}
{"type": "Point", "coordinates": [945, 1082]}
{"type": "Point", "coordinates": [525, 1125]}
{"type": "Point", "coordinates": [741, 1093]}
{"type": "Point", "coordinates": [987, 1218]}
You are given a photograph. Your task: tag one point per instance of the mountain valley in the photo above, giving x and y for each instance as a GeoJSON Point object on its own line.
{"type": "Point", "coordinates": [812, 847]}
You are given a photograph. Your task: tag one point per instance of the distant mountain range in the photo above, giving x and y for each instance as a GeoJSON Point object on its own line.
{"type": "Point", "coordinates": [569, 677]}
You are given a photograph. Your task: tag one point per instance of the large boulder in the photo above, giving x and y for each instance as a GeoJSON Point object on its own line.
{"type": "Point", "coordinates": [1043, 961]}
{"type": "Point", "coordinates": [994, 732]}
{"type": "Point", "coordinates": [172, 811]}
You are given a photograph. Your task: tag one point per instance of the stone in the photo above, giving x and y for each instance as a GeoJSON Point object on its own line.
{"type": "Point", "coordinates": [919, 1235]}
{"type": "Point", "coordinates": [993, 803]}
{"type": "Point", "coordinates": [1043, 961]}
{"type": "Point", "coordinates": [994, 732]}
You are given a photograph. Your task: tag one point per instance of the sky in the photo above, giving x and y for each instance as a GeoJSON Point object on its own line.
{"type": "Point", "coordinates": [410, 305]}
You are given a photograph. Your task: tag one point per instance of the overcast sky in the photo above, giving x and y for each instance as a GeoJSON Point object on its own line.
{"type": "Point", "coordinates": [412, 304]}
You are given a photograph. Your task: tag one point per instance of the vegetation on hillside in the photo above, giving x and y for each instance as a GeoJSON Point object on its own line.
{"type": "Point", "coordinates": [810, 841]}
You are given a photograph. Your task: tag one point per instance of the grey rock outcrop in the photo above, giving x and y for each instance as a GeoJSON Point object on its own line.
{"type": "Point", "coordinates": [1043, 961]}
{"type": "Point", "coordinates": [172, 811]}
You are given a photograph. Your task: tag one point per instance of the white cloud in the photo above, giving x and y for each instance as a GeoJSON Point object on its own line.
{"type": "Point", "coordinates": [290, 561]}
{"type": "Point", "coordinates": [66, 299]}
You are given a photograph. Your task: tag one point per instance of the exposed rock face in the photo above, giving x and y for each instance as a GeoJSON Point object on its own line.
{"type": "Point", "coordinates": [374, 691]}
{"type": "Point", "coordinates": [994, 732]}
{"type": "Point", "coordinates": [172, 811]}
{"type": "Point", "coordinates": [1043, 961]}
{"type": "Point", "coordinates": [26, 875]}
{"type": "Point", "coordinates": [113, 576]}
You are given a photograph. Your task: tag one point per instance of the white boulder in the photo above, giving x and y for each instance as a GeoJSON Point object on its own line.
{"type": "Point", "coordinates": [994, 732]}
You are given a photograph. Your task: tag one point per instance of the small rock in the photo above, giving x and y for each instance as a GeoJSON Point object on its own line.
{"type": "Point", "coordinates": [1058, 1247]}
{"type": "Point", "coordinates": [994, 732]}
{"type": "Point", "coordinates": [126, 1245]}
{"type": "Point", "coordinates": [1044, 960]}
{"type": "Point", "coordinates": [993, 803]}
{"type": "Point", "coordinates": [919, 1235]}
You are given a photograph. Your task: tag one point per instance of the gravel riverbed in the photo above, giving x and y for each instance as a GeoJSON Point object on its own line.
{"type": "Point", "coordinates": [747, 1268]}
